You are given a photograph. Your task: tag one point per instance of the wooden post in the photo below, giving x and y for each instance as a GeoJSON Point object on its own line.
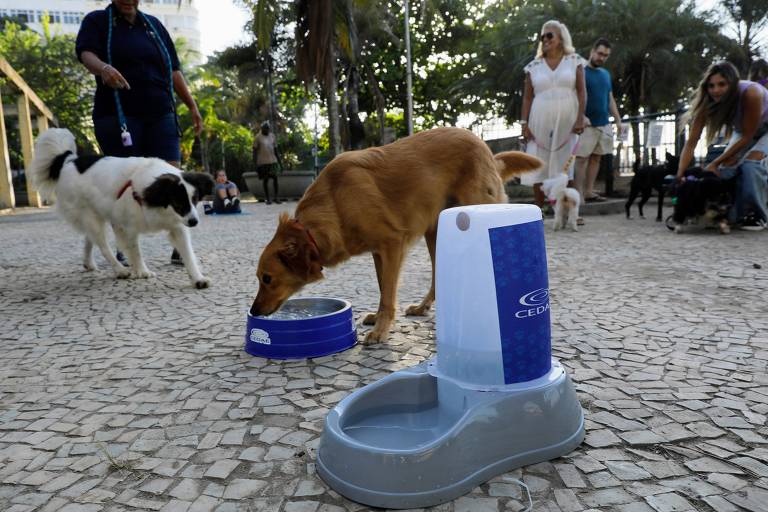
{"type": "Point", "coordinates": [7, 197]}
{"type": "Point", "coordinates": [27, 148]}
{"type": "Point", "coordinates": [42, 124]}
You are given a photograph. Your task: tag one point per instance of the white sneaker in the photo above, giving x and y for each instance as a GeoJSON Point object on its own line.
{"type": "Point", "coordinates": [227, 202]}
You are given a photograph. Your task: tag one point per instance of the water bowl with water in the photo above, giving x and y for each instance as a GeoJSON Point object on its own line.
{"type": "Point", "coordinates": [302, 328]}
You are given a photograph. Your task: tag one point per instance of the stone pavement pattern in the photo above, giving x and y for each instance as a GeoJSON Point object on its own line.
{"type": "Point", "coordinates": [136, 395]}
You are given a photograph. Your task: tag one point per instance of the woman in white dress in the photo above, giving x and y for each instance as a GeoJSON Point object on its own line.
{"type": "Point", "coordinates": [553, 105]}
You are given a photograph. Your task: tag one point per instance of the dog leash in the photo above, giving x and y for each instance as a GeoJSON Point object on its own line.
{"type": "Point", "coordinates": [558, 148]}
{"type": "Point", "coordinates": [125, 135]}
{"type": "Point", "coordinates": [572, 156]}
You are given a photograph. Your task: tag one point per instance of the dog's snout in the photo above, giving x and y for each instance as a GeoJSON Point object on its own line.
{"type": "Point", "coordinates": [192, 222]}
{"type": "Point", "coordinates": [255, 311]}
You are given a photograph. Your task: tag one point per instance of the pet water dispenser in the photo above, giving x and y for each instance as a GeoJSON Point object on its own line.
{"type": "Point", "coordinates": [492, 400]}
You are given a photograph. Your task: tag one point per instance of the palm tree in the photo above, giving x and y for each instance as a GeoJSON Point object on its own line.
{"type": "Point", "coordinates": [750, 17]}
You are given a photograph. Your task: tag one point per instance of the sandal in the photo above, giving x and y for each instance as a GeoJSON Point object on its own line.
{"type": "Point", "coordinates": [580, 221]}
{"type": "Point", "coordinates": [595, 198]}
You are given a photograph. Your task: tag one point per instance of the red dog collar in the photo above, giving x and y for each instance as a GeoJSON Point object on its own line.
{"type": "Point", "coordinates": [309, 235]}
{"type": "Point", "coordinates": [128, 185]}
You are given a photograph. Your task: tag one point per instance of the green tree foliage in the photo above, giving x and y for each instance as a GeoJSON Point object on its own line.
{"type": "Point", "coordinates": [749, 17]}
{"type": "Point", "coordinates": [49, 65]}
{"type": "Point", "coordinates": [660, 48]}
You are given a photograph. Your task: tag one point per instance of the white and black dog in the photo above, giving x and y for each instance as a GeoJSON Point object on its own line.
{"type": "Point", "coordinates": [134, 195]}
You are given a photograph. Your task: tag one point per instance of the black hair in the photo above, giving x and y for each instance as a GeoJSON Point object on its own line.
{"type": "Point", "coordinates": [601, 41]}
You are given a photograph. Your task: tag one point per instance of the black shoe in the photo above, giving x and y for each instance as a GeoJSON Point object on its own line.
{"type": "Point", "coordinates": [277, 201]}
{"type": "Point", "coordinates": [235, 203]}
{"type": "Point", "coordinates": [752, 223]}
{"type": "Point", "coordinates": [176, 258]}
{"type": "Point", "coordinates": [121, 259]}
{"type": "Point", "coordinates": [269, 202]}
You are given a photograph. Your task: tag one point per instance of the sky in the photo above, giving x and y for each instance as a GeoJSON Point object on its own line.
{"type": "Point", "coordinates": [221, 24]}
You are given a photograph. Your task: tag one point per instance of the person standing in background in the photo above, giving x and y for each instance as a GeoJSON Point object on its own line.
{"type": "Point", "coordinates": [266, 159]}
{"type": "Point", "coordinates": [553, 105]}
{"type": "Point", "coordinates": [137, 72]}
{"type": "Point", "coordinates": [597, 139]}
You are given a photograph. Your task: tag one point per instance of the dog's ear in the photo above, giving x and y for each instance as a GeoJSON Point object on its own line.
{"type": "Point", "coordinates": [160, 192]}
{"type": "Point", "coordinates": [301, 256]}
{"type": "Point", "coordinates": [202, 181]}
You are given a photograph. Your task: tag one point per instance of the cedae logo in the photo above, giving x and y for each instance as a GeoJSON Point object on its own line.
{"type": "Point", "coordinates": [536, 302]}
{"type": "Point", "coordinates": [260, 336]}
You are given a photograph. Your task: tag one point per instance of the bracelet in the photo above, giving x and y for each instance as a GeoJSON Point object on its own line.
{"type": "Point", "coordinates": [523, 122]}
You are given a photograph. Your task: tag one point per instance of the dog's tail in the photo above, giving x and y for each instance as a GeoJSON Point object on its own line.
{"type": "Point", "coordinates": [51, 149]}
{"type": "Point", "coordinates": [514, 163]}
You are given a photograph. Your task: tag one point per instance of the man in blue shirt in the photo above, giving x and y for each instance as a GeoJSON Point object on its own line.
{"type": "Point", "coordinates": [597, 139]}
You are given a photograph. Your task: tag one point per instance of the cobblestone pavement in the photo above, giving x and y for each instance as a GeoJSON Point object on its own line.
{"type": "Point", "coordinates": [137, 395]}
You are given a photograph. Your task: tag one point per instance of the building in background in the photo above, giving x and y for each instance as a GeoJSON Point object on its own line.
{"type": "Point", "coordinates": [180, 18]}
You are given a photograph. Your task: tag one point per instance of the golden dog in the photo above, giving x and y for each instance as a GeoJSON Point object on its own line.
{"type": "Point", "coordinates": [381, 200]}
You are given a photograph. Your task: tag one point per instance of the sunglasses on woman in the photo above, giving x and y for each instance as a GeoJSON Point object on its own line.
{"type": "Point", "coordinates": [547, 35]}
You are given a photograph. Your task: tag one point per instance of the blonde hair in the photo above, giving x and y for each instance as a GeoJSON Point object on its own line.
{"type": "Point", "coordinates": [565, 37]}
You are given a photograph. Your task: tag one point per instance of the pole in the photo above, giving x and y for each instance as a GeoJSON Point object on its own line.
{"type": "Point", "coordinates": [314, 146]}
{"type": "Point", "coordinates": [408, 80]}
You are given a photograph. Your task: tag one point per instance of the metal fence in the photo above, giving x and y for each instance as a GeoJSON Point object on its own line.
{"type": "Point", "coordinates": [648, 138]}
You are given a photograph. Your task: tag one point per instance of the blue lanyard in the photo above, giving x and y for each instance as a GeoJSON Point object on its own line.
{"type": "Point", "coordinates": [155, 35]}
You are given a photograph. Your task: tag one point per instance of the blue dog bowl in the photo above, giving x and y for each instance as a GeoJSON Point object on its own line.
{"type": "Point", "coordinates": [301, 328]}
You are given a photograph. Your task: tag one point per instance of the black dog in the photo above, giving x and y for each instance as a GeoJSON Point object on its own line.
{"type": "Point", "coordinates": [648, 178]}
{"type": "Point", "coordinates": [703, 194]}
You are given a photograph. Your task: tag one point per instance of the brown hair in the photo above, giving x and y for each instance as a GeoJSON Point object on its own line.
{"type": "Point", "coordinates": [720, 113]}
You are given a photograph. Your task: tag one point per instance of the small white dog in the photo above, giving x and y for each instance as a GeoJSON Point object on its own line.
{"type": "Point", "coordinates": [567, 201]}
{"type": "Point", "coordinates": [134, 195]}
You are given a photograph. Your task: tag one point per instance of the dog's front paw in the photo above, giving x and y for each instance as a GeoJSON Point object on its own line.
{"type": "Point", "coordinates": [374, 336]}
{"type": "Point", "coordinates": [574, 228]}
{"type": "Point", "coordinates": [370, 318]}
{"type": "Point", "coordinates": [416, 310]}
{"type": "Point", "coordinates": [123, 274]}
{"type": "Point", "coordinates": [142, 274]}
{"type": "Point", "coordinates": [202, 283]}
{"type": "Point", "coordinates": [89, 266]}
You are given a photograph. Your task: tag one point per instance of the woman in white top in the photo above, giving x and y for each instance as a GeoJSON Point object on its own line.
{"type": "Point", "coordinates": [553, 105]}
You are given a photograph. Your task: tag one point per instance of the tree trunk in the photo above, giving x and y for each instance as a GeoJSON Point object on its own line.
{"type": "Point", "coordinates": [332, 103]}
{"type": "Point", "coordinates": [343, 120]}
{"type": "Point", "coordinates": [355, 125]}
{"type": "Point", "coordinates": [271, 92]}
{"type": "Point", "coordinates": [381, 103]}
{"type": "Point", "coordinates": [204, 154]}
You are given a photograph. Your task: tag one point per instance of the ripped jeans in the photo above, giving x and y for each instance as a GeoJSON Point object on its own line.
{"type": "Point", "coordinates": [751, 181]}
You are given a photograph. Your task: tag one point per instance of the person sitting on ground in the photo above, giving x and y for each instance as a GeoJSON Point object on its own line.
{"type": "Point", "coordinates": [266, 159]}
{"type": "Point", "coordinates": [226, 195]}
{"type": "Point", "coordinates": [741, 106]}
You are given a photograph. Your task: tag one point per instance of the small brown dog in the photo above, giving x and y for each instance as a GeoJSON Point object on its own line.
{"type": "Point", "coordinates": [381, 200]}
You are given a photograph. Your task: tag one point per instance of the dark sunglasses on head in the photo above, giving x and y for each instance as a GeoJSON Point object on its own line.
{"type": "Point", "coordinates": [547, 35]}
